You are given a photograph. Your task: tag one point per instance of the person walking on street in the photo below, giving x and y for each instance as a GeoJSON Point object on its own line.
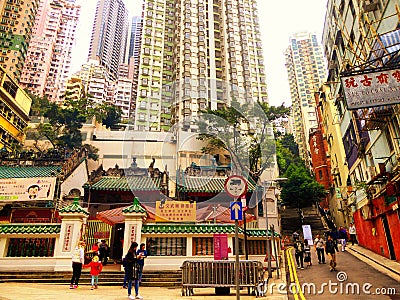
{"type": "Point", "coordinates": [132, 271]}
{"type": "Point", "coordinates": [307, 253]}
{"type": "Point", "coordinates": [95, 269]}
{"type": "Point", "coordinates": [342, 235]}
{"type": "Point", "coordinates": [353, 234]}
{"type": "Point", "coordinates": [319, 243]}
{"type": "Point", "coordinates": [331, 248]}
{"type": "Point", "coordinates": [142, 254]}
{"type": "Point", "coordinates": [299, 253]}
{"type": "Point", "coordinates": [78, 259]}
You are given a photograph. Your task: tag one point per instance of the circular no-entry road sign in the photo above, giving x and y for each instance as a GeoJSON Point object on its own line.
{"type": "Point", "coordinates": [235, 186]}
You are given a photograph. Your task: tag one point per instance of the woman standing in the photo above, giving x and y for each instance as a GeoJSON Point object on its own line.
{"type": "Point", "coordinates": [78, 259]}
{"type": "Point", "coordinates": [132, 269]}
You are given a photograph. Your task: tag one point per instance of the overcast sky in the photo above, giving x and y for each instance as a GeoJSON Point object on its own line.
{"type": "Point", "coordinates": [279, 19]}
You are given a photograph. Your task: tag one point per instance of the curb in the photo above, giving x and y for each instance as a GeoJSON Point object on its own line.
{"type": "Point", "coordinates": [380, 264]}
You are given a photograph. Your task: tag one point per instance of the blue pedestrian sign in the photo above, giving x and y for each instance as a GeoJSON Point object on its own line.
{"type": "Point", "coordinates": [236, 211]}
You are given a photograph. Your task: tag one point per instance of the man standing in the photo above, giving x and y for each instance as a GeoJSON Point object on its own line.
{"type": "Point", "coordinates": [299, 253]}
{"type": "Point", "coordinates": [104, 252]}
{"type": "Point", "coordinates": [353, 232]}
{"type": "Point", "coordinates": [331, 249]}
{"type": "Point", "coordinates": [320, 247]}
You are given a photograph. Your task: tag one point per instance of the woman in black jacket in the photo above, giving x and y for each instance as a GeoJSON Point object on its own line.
{"type": "Point", "coordinates": [132, 271]}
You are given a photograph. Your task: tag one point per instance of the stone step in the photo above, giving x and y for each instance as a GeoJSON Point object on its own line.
{"type": "Point", "coordinates": [150, 279]}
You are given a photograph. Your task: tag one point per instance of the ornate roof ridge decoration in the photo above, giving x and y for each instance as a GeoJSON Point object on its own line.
{"type": "Point", "coordinates": [201, 228]}
{"type": "Point", "coordinates": [135, 207]}
{"type": "Point", "coordinates": [41, 228]}
{"type": "Point", "coordinates": [74, 208]}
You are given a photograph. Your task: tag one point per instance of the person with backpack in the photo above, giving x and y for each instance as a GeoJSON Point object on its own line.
{"type": "Point", "coordinates": [299, 253]}
{"type": "Point", "coordinates": [331, 248]}
{"type": "Point", "coordinates": [95, 269]}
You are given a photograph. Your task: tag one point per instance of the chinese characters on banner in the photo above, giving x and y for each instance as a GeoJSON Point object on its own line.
{"type": "Point", "coordinates": [69, 229]}
{"type": "Point", "coordinates": [372, 89]}
{"type": "Point", "coordinates": [175, 211]}
{"type": "Point", "coordinates": [132, 233]}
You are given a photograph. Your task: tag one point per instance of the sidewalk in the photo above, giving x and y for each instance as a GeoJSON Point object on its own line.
{"type": "Point", "coordinates": [382, 264]}
{"type": "Point", "coordinates": [31, 291]}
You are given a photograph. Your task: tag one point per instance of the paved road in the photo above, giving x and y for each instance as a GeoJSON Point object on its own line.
{"type": "Point", "coordinates": [352, 275]}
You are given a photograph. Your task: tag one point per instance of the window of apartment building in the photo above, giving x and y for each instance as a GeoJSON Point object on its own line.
{"type": "Point", "coordinates": [166, 246]}
{"type": "Point", "coordinates": [143, 93]}
{"type": "Point", "coordinates": [203, 246]}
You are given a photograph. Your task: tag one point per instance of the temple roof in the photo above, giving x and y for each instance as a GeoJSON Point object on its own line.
{"type": "Point", "coordinates": [135, 183]}
{"type": "Point", "coordinates": [29, 171]}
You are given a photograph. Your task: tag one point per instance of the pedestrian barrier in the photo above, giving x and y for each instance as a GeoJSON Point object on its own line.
{"type": "Point", "coordinates": [221, 274]}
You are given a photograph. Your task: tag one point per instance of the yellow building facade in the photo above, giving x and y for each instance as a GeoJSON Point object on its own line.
{"type": "Point", "coordinates": [14, 112]}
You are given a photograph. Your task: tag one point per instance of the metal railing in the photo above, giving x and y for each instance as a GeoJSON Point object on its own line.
{"type": "Point", "coordinates": [221, 273]}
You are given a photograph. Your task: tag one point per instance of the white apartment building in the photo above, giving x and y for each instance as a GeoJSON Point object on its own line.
{"type": "Point", "coordinates": [306, 72]}
{"type": "Point", "coordinates": [196, 55]}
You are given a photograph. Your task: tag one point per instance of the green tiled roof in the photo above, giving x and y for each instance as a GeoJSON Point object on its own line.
{"type": "Point", "coordinates": [200, 228]}
{"type": "Point", "coordinates": [206, 184]}
{"type": "Point", "coordinates": [135, 207]}
{"type": "Point", "coordinates": [109, 183]}
{"type": "Point", "coordinates": [29, 172]}
{"type": "Point", "coordinates": [74, 208]}
{"type": "Point", "coordinates": [30, 228]}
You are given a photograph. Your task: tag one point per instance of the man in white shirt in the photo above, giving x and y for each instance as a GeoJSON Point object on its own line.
{"type": "Point", "coordinates": [320, 248]}
{"type": "Point", "coordinates": [353, 232]}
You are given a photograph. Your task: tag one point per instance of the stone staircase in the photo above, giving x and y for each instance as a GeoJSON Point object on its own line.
{"type": "Point", "coordinates": [290, 221]}
{"type": "Point", "coordinates": [110, 278]}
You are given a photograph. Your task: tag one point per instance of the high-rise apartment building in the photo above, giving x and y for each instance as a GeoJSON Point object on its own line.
{"type": "Point", "coordinates": [96, 82]}
{"type": "Point", "coordinates": [135, 43]}
{"type": "Point", "coordinates": [135, 38]}
{"type": "Point", "coordinates": [48, 60]}
{"type": "Point", "coordinates": [17, 19]}
{"type": "Point", "coordinates": [196, 55]}
{"type": "Point", "coordinates": [306, 72]}
{"type": "Point", "coordinates": [109, 35]}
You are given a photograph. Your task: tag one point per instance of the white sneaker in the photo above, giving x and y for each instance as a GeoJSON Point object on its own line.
{"type": "Point", "coordinates": [131, 297]}
{"type": "Point", "coordinates": [138, 297]}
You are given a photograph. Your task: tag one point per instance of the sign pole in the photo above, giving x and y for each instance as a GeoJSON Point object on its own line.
{"type": "Point", "coordinates": [237, 259]}
{"type": "Point", "coordinates": [236, 186]}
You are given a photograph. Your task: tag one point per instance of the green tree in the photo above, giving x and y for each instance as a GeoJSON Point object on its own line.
{"type": "Point", "coordinates": [63, 129]}
{"type": "Point", "coordinates": [300, 190]}
{"type": "Point", "coordinates": [243, 131]}
{"type": "Point", "coordinates": [287, 152]}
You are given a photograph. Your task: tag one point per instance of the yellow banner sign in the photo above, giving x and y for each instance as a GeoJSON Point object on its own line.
{"type": "Point", "coordinates": [175, 211]}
